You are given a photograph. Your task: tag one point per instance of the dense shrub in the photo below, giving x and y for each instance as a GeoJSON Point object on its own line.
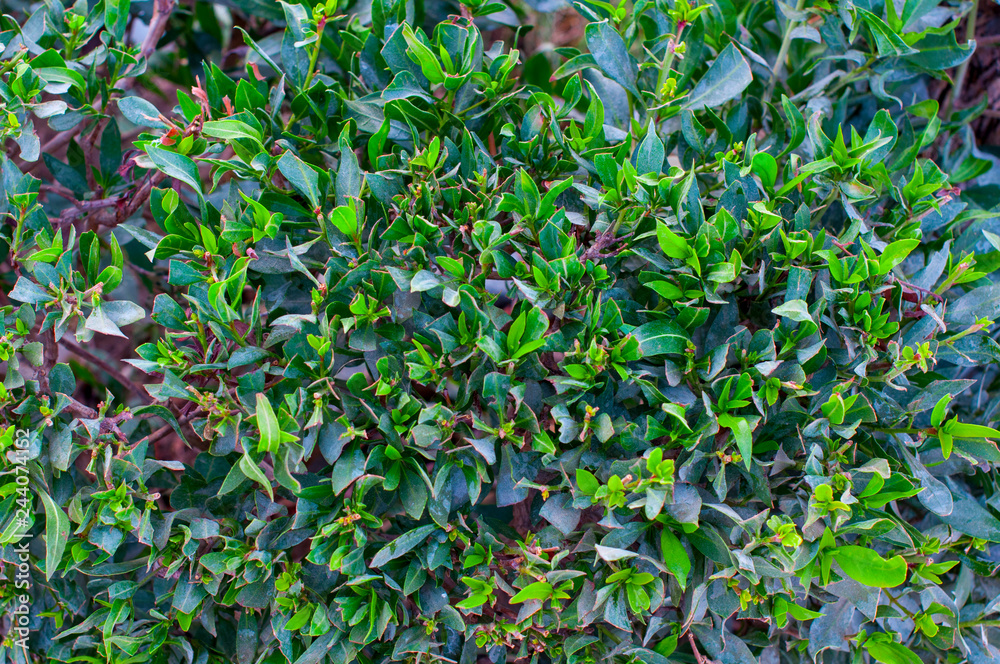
{"type": "Point", "coordinates": [676, 347]}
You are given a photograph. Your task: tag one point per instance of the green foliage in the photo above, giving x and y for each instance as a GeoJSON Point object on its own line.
{"type": "Point", "coordinates": [676, 346]}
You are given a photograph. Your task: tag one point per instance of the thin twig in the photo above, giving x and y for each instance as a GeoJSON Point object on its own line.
{"type": "Point", "coordinates": [697, 653]}
{"type": "Point", "coordinates": [50, 355]}
{"type": "Point", "coordinates": [162, 9]}
{"type": "Point", "coordinates": [71, 213]}
{"type": "Point", "coordinates": [918, 289]}
{"type": "Point", "coordinates": [84, 354]}
{"type": "Point", "coordinates": [110, 212]}
{"type": "Point", "coordinates": [109, 425]}
{"type": "Point", "coordinates": [79, 410]}
{"type": "Point", "coordinates": [59, 140]}
{"type": "Point", "coordinates": [955, 98]}
{"type": "Point", "coordinates": [603, 241]}
{"type": "Point", "coordinates": [786, 42]}
{"type": "Point", "coordinates": [58, 190]}
{"type": "Point", "coordinates": [188, 413]}
{"type": "Point", "coordinates": [156, 435]}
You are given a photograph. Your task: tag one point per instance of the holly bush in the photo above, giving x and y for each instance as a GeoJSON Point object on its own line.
{"type": "Point", "coordinates": [387, 331]}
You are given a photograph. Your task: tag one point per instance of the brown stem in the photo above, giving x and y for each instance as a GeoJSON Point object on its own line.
{"type": "Point", "coordinates": [918, 289]}
{"type": "Point", "coordinates": [110, 212]}
{"type": "Point", "coordinates": [188, 412]}
{"type": "Point", "coordinates": [58, 190]}
{"type": "Point", "coordinates": [84, 354]}
{"type": "Point", "coordinates": [79, 410]}
{"type": "Point", "coordinates": [955, 97]}
{"type": "Point", "coordinates": [50, 355]}
{"type": "Point", "coordinates": [697, 653]}
{"type": "Point", "coordinates": [604, 241]}
{"type": "Point", "coordinates": [59, 140]}
{"type": "Point", "coordinates": [69, 215]}
{"type": "Point", "coordinates": [156, 435]}
{"type": "Point", "coordinates": [109, 425]}
{"type": "Point", "coordinates": [162, 9]}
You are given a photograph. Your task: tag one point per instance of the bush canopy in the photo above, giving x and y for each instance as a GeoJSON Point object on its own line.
{"type": "Point", "coordinates": [401, 331]}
